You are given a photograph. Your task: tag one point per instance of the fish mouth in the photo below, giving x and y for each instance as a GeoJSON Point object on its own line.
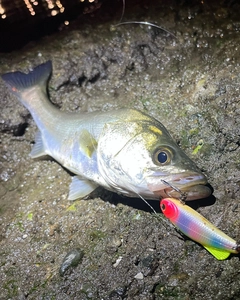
{"type": "Point", "coordinates": [192, 193]}
{"type": "Point", "coordinates": [192, 184]}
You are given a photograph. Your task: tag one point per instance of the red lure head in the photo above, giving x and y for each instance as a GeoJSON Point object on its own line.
{"type": "Point", "coordinates": [169, 208]}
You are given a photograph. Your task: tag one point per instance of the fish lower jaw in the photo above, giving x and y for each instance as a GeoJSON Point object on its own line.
{"type": "Point", "coordinates": [193, 192]}
{"type": "Point", "coordinates": [193, 184]}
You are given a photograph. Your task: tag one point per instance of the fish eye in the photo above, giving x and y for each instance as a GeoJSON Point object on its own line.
{"type": "Point", "coordinates": [162, 156]}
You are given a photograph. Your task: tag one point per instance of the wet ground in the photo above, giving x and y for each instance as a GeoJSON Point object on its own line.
{"type": "Point", "coordinates": [191, 84]}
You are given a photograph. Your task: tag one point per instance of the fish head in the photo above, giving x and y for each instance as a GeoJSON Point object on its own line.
{"type": "Point", "coordinates": [170, 164]}
{"type": "Point", "coordinates": [136, 156]}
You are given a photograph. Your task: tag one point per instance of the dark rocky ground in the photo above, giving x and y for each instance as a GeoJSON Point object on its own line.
{"type": "Point", "coordinates": [191, 84]}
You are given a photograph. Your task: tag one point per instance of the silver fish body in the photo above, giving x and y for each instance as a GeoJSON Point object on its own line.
{"type": "Point", "coordinates": [125, 150]}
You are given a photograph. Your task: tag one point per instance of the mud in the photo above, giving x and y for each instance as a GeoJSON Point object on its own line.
{"type": "Point", "coordinates": [191, 84]}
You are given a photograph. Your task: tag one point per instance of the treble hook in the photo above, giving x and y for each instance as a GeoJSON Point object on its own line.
{"type": "Point", "coordinates": [183, 195]}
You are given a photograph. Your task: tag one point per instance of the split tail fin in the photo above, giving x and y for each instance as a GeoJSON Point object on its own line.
{"type": "Point", "coordinates": [19, 82]}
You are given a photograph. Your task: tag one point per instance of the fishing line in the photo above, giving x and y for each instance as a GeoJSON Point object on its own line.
{"type": "Point", "coordinates": [154, 211]}
{"type": "Point", "coordinates": [144, 23]}
{"type": "Point", "coordinates": [112, 27]}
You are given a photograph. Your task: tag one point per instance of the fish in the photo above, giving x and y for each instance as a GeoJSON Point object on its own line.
{"type": "Point", "coordinates": [124, 150]}
{"type": "Point", "coordinates": [199, 229]}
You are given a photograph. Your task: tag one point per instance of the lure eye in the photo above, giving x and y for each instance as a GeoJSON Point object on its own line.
{"type": "Point", "coordinates": [169, 209]}
{"type": "Point", "coordinates": [162, 156]}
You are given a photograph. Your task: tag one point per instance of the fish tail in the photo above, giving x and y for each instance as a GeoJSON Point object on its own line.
{"type": "Point", "coordinates": [19, 82]}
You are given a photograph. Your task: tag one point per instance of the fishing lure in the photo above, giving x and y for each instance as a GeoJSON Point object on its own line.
{"type": "Point", "coordinates": [199, 229]}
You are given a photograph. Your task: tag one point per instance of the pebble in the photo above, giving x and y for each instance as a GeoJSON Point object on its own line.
{"type": "Point", "coordinates": [139, 276]}
{"type": "Point", "coordinates": [117, 262]}
{"type": "Point", "coordinates": [72, 259]}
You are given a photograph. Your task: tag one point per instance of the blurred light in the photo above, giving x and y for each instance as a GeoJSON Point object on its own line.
{"type": "Point", "coordinates": [59, 4]}
{"type": "Point", "coordinates": [29, 6]}
{"type": "Point", "coordinates": [54, 12]}
{"type": "Point", "coordinates": [66, 23]}
{"type": "Point", "coordinates": [2, 11]}
{"type": "Point", "coordinates": [50, 4]}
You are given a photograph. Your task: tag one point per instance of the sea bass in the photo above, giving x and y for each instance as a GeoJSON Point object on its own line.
{"type": "Point", "coordinates": [125, 150]}
{"type": "Point", "coordinates": [198, 228]}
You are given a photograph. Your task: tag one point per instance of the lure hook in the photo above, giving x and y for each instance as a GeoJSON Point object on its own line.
{"type": "Point", "coordinates": [183, 195]}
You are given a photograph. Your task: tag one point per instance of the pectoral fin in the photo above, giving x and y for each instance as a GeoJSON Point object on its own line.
{"type": "Point", "coordinates": [80, 188]}
{"type": "Point", "coordinates": [38, 148]}
{"type": "Point", "coordinates": [87, 143]}
{"type": "Point", "coordinates": [220, 254]}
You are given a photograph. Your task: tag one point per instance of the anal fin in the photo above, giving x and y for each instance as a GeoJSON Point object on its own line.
{"type": "Point", "coordinates": [220, 254]}
{"type": "Point", "coordinates": [38, 148]}
{"type": "Point", "coordinates": [80, 188]}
